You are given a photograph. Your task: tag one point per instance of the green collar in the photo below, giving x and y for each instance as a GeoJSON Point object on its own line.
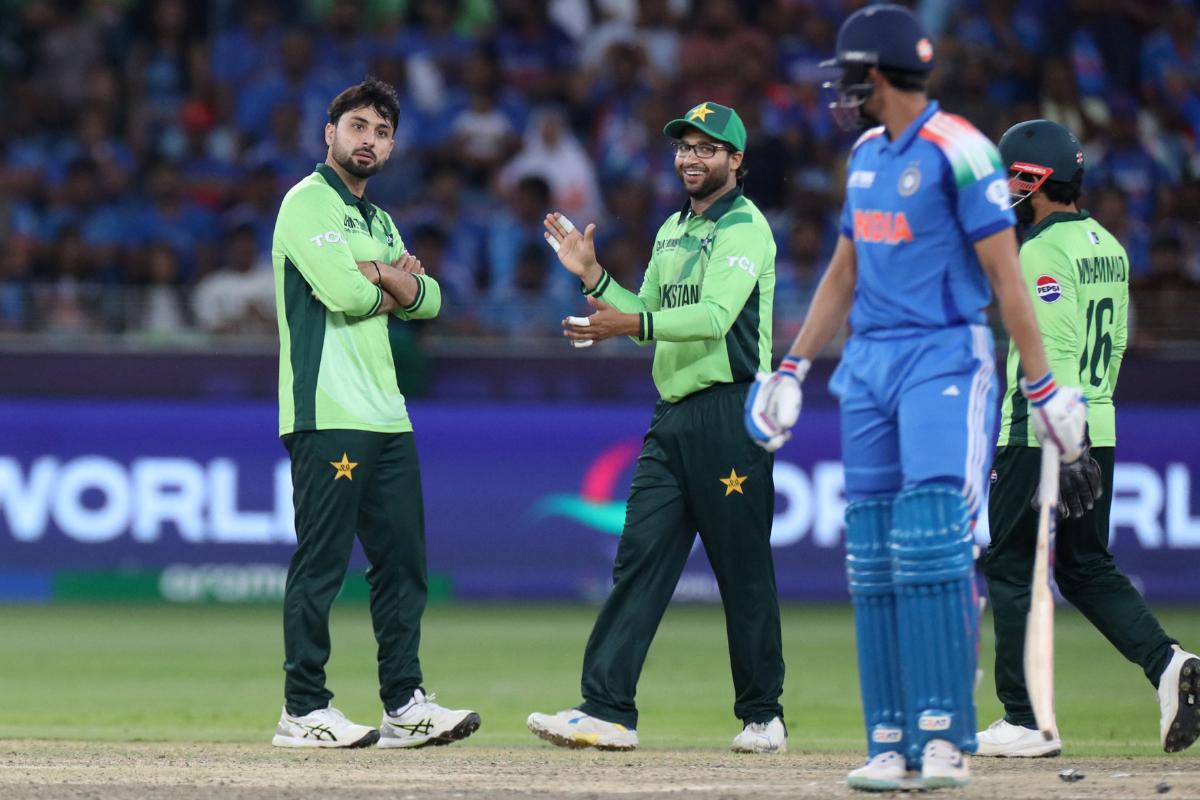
{"type": "Point", "coordinates": [717, 210]}
{"type": "Point", "coordinates": [1057, 216]}
{"type": "Point", "coordinates": [333, 179]}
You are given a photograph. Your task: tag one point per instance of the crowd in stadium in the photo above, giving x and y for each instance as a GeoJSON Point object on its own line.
{"type": "Point", "coordinates": [145, 145]}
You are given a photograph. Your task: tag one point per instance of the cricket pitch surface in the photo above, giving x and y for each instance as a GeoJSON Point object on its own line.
{"type": "Point", "coordinates": [197, 771]}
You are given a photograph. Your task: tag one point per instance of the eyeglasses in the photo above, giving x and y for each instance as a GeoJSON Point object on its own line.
{"type": "Point", "coordinates": [701, 149]}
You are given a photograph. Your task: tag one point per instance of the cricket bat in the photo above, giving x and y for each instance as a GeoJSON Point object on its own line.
{"type": "Point", "coordinates": [1039, 624]}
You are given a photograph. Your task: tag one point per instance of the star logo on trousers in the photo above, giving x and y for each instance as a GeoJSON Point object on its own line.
{"type": "Point", "coordinates": [344, 468]}
{"type": "Point", "coordinates": [733, 483]}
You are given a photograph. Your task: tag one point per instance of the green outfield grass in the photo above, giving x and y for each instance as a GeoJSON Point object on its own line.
{"type": "Point", "coordinates": [210, 673]}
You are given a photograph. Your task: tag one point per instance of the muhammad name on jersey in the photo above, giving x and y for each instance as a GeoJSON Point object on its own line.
{"type": "Point", "coordinates": [881, 227]}
{"type": "Point", "coordinates": [1102, 269]}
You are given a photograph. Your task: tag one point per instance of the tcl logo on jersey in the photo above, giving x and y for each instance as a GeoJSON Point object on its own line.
{"type": "Point", "coordinates": [332, 237]}
{"type": "Point", "coordinates": [884, 227]}
{"type": "Point", "coordinates": [1048, 289]}
{"type": "Point", "coordinates": [742, 263]}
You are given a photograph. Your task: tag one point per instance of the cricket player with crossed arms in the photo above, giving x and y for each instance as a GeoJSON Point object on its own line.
{"type": "Point", "coordinates": [1078, 276]}
{"type": "Point", "coordinates": [926, 227]}
{"type": "Point", "coordinates": [343, 279]}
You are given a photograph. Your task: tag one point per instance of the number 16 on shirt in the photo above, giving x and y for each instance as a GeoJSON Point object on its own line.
{"type": "Point", "coordinates": [1039, 625]}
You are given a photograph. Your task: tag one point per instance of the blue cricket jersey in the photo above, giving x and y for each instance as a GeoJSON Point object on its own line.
{"type": "Point", "coordinates": [914, 209]}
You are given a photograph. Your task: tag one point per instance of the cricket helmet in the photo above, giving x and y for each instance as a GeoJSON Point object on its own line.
{"type": "Point", "coordinates": [1037, 151]}
{"type": "Point", "coordinates": [885, 36]}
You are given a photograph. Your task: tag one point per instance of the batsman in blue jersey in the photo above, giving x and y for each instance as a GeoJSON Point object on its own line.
{"type": "Point", "coordinates": [926, 236]}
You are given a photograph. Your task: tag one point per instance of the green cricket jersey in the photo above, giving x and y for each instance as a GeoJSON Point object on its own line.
{"type": "Point", "coordinates": [1078, 275]}
{"type": "Point", "coordinates": [706, 297]}
{"type": "Point", "coordinates": [335, 362]}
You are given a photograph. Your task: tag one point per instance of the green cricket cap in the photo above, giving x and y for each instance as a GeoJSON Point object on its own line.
{"type": "Point", "coordinates": [720, 122]}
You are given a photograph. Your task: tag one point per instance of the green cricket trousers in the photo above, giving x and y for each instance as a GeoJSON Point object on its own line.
{"type": "Point", "coordinates": [1083, 569]}
{"type": "Point", "coordinates": [347, 483]}
{"type": "Point", "coordinates": [698, 471]}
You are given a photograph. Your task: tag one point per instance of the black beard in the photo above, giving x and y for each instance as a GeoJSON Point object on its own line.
{"type": "Point", "coordinates": [711, 183]}
{"type": "Point", "coordinates": [358, 170]}
{"type": "Point", "coordinates": [1024, 212]}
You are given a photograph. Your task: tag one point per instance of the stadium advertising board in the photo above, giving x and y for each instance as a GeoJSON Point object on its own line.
{"type": "Point", "coordinates": [192, 501]}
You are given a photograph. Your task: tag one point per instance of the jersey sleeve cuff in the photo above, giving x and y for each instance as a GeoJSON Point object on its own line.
{"type": "Point", "coordinates": [378, 303]}
{"type": "Point", "coordinates": [420, 298]}
{"type": "Point", "coordinates": [987, 230]}
{"type": "Point", "coordinates": [600, 287]}
{"type": "Point", "coordinates": [645, 327]}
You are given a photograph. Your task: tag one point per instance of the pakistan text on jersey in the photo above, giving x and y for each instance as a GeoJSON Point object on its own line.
{"type": "Point", "coordinates": [1102, 269]}
{"type": "Point", "coordinates": [885, 227]}
{"type": "Point", "coordinates": [677, 294]}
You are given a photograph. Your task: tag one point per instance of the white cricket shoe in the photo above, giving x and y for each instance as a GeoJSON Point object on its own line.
{"type": "Point", "coordinates": [325, 727]}
{"type": "Point", "coordinates": [944, 766]}
{"type": "Point", "coordinates": [886, 772]}
{"type": "Point", "coordinates": [573, 728]}
{"type": "Point", "coordinates": [1005, 740]}
{"type": "Point", "coordinates": [762, 737]}
{"type": "Point", "coordinates": [423, 722]}
{"type": "Point", "coordinates": [1179, 699]}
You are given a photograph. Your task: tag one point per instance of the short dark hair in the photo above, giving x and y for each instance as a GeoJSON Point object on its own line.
{"type": "Point", "coordinates": [905, 80]}
{"type": "Point", "coordinates": [1064, 193]}
{"type": "Point", "coordinates": [371, 93]}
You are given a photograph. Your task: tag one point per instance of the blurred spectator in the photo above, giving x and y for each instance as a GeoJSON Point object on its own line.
{"type": "Point", "coordinates": [171, 219]}
{"type": "Point", "coordinates": [164, 66]}
{"type": "Point", "coordinates": [257, 197]}
{"type": "Point", "coordinates": [618, 138]}
{"type": "Point", "coordinates": [340, 56]}
{"type": "Point", "coordinates": [294, 81]}
{"type": "Point", "coordinates": [69, 303]}
{"type": "Point", "coordinates": [516, 234]}
{"type": "Point", "coordinates": [711, 53]}
{"type": "Point", "coordinates": [239, 297]}
{"type": "Point", "coordinates": [1061, 102]}
{"type": "Point", "coordinates": [248, 48]}
{"type": "Point", "coordinates": [161, 309]}
{"type": "Point", "coordinates": [1172, 50]}
{"type": "Point", "coordinates": [482, 135]}
{"type": "Point", "coordinates": [457, 228]}
{"type": "Point", "coordinates": [1111, 211]}
{"type": "Point", "coordinates": [551, 152]}
{"type": "Point", "coordinates": [1127, 164]}
{"type": "Point", "coordinates": [79, 204]}
{"type": "Point", "coordinates": [535, 55]}
{"type": "Point", "coordinates": [431, 35]}
{"type": "Point", "coordinates": [460, 298]}
{"type": "Point", "coordinates": [285, 151]}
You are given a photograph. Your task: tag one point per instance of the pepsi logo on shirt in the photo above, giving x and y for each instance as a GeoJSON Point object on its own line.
{"type": "Point", "coordinates": [1048, 289]}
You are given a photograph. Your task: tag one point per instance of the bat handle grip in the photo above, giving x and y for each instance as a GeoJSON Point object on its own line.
{"type": "Point", "coordinates": [1048, 479]}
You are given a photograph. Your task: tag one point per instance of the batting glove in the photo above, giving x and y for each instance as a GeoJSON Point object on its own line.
{"type": "Point", "coordinates": [773, 405]}
{"type": "Point", "coordinates": [1059, 416]}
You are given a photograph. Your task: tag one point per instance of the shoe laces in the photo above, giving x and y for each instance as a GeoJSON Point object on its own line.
{"type": "Point", "coordinates": [425, 700]}
{"type": "Point", "coordinates": [757, 727]}
{"type": "Point", "coordinates": [941, 749]}
{"type": "Point", "coordinates": [332, 713]}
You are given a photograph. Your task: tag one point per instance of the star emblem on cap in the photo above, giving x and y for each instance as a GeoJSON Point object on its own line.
{"type": "Point", "coordinates": [700, 112]}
